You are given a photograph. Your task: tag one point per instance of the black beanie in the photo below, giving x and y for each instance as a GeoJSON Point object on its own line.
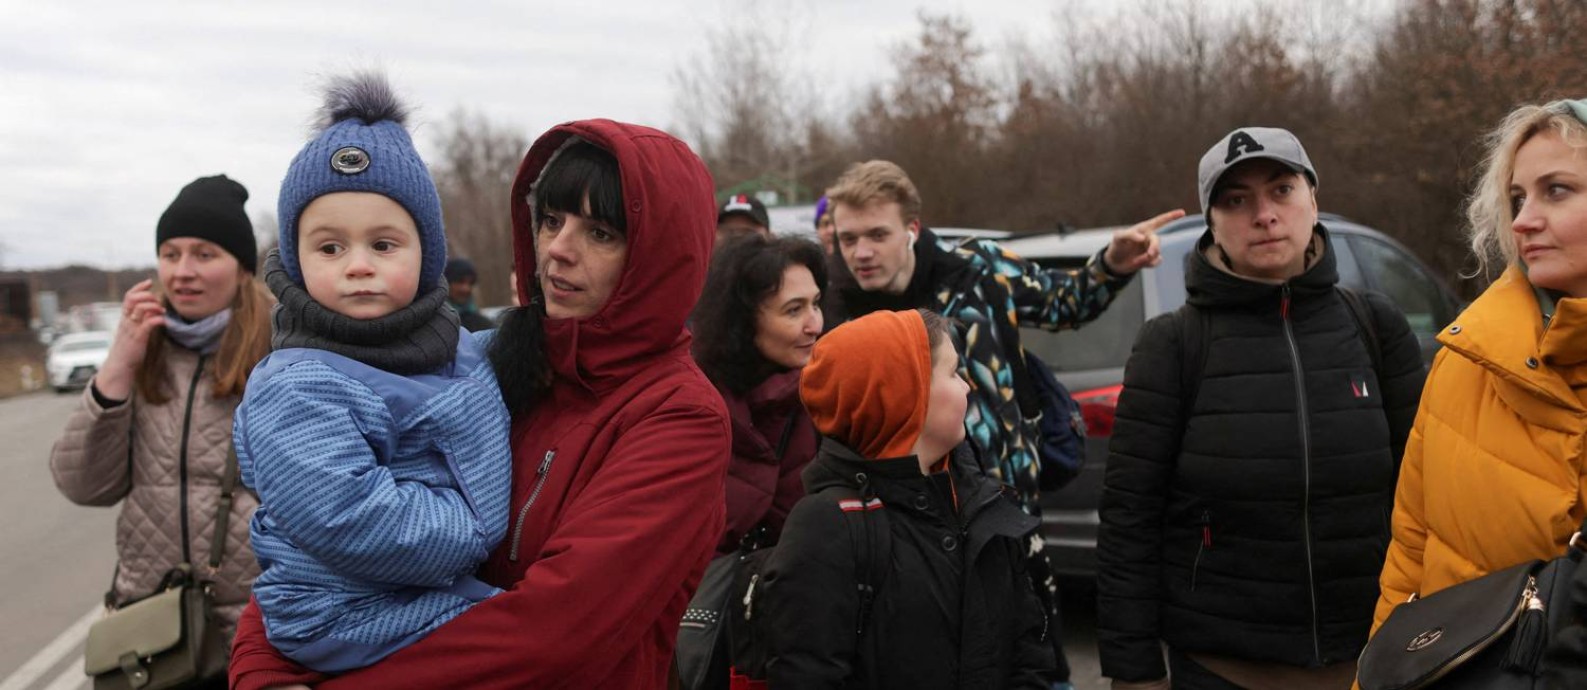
{"type": "Point", "coordinates": [210, 208]}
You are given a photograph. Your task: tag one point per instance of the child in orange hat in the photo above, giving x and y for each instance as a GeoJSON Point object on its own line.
{"type": "Point", "coordinates": [903, 566]}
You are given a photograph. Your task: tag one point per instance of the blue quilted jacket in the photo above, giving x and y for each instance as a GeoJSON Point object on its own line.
{"type": "Point", "coordinates": [380, 495]}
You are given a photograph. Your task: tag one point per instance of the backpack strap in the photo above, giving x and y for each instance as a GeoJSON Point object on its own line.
{"type": "Point", "coordinates": [1193, 328]}
{"type": "Point", "coordinates": [1361, 311]}
{"type": "Point", "coordinates": [873, 543]}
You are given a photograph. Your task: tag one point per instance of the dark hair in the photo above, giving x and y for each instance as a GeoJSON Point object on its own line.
{"type": "Point", "coordinates": [744, 272]}
{"type": "Point", "coordinates": [579, 174]}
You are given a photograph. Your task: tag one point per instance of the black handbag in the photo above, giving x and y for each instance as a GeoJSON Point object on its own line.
{"type": "Point", "coordinates": [1487, 633]}
{"type": "Point", "coordinates": [701, 656]}
{"type": "Point", "coordinates": [169, 639]}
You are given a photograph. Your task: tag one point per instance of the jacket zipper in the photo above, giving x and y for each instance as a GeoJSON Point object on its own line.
{"type": "Point", "coordinates": [187, 425]}
{"type": "Point", "coordinates": [541, 474]}
{"type": "Point", "coordinates": [1206, 545]}
{"type": "Point", "coordinates": [1305, 441]}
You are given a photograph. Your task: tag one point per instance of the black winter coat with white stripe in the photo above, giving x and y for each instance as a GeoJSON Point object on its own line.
{"type": "Point", "coordinates": [1252, 522]}
{"type": "Point", "coordinates": [953, 607]}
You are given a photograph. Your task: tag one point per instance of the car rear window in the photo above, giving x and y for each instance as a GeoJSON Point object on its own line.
{"type": "Point", "coordinates": [1100, 344]}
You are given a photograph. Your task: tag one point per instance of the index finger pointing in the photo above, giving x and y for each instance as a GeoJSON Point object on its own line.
{"type": "Point", "coordinates": [1161, 219]}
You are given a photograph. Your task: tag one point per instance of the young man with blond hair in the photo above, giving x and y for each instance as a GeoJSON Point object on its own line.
{"type": "Point", "coordinates": [893, 262]}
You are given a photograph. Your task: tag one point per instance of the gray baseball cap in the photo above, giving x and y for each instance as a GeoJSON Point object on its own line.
{"type": "Point", "coordinates": [1245, 144]}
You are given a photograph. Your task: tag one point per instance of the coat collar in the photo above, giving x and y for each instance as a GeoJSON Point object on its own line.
{"type": "Point", "coordinates": [1210, 284]}
{"type": "Point", "coordinates": [1502, 331]}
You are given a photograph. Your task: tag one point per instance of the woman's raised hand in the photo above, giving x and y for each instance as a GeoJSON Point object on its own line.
{"type": "Point", "coordinates": [141, 313]}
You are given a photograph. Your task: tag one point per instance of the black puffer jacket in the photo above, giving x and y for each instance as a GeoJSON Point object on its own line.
{"type": "Point", "coordinates": [953, 609]}
{"type": "Point", "coordinates": [1257, 527]}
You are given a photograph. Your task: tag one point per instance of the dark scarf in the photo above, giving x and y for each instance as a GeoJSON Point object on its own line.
{"type": "Point", "coordinates": [415, 339]}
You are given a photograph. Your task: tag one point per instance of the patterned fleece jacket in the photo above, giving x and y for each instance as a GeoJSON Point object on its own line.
{"type": "Point", "coordinates": [991, 292]}
{"type": "Point", "coordinates": [381, 495]}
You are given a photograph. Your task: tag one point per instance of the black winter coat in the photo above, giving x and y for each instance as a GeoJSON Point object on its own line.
{"type": "Point", "coordinates": [1254, 526]}
{"type": "Point", "coordinates": [953, 609]}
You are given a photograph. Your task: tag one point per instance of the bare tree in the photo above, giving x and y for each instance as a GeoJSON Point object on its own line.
{"type": "Point", "coordinates": [474, 176]}
{"type": "Point", "coordinates": [751, 108]}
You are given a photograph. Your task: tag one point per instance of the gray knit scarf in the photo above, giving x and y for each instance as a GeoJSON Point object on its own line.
{"type": "Point", "coordinates": [415, 339]}
{"type": "Point", "coordinates": [201, 336]}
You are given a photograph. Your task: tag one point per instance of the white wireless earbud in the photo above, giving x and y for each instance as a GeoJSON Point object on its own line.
{"type": "Point", "coordinates": [912, 237]}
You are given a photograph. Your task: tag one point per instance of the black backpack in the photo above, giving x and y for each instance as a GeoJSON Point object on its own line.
{"type": "Point", "coordinates": [868, 526]}
{"type": "Point", "coordinates": [1193, 327]}
{"type": "Point", "coordinates": [1061, 448]}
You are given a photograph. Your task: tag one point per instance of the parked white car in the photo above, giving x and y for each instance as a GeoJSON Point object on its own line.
{"type": "Point", "coordinates": [74, 358]}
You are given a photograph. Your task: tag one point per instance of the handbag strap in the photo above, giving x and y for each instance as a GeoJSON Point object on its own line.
{"type": "Point", "coordinates": [228, 488]}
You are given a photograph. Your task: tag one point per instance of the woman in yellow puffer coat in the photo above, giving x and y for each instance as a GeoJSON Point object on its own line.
{"type": "Point", "coordinates": [1492, 474]}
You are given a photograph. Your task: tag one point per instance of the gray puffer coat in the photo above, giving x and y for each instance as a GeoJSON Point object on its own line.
{"type": "Point", "coordinates": [160, 461]}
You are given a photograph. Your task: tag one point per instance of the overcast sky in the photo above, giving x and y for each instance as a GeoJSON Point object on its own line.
{"type": "Point", "coordinates": [108, 108]}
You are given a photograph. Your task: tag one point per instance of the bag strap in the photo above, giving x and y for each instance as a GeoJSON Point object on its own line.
{"type": "Point", "coordinates": [787, 435]}
{"type": "Point", "coordinates": [1361, 311]}
{"type": "Point", "coordinates": [228, 489]}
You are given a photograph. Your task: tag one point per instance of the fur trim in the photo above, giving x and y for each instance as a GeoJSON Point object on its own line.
{"type": "Point", "coordinates": [366, 95]}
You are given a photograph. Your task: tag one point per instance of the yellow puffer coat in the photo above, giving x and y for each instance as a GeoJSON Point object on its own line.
{"type": "Point", "coordinates": [1493, 470]}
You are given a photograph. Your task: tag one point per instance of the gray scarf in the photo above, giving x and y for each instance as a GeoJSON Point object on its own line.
{"type": "Point", "coordinates": [201, 336]}
{"type": "Point", "coordinates": [415, 339]}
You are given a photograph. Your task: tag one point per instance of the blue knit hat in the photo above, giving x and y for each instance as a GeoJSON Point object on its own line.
{"type": "Point", "coordinates": [362, 146]}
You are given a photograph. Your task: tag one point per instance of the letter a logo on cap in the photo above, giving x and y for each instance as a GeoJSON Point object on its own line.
{"type": "Point", "coordinates": [1241, 144]}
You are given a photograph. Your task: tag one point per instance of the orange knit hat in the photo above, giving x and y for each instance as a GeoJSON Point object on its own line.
{"type": "Point", "coordinates": [868, 381]}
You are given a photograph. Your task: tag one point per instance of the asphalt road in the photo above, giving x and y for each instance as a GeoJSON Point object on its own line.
{"type": "Point", "coordinates": [58, 559]}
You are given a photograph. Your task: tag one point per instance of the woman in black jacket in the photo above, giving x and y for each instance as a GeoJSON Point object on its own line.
{"type": "Point", "coordinates": [1245, 508]}
{"type": "Point", "coordinates": [903, 567]}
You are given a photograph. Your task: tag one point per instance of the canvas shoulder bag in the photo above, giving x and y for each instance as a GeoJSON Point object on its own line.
{"type": "Point", "coordinates": [169, 639]}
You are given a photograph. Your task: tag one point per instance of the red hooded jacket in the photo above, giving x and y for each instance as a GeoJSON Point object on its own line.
{"type": "Point", "coordinates": [624, 461]}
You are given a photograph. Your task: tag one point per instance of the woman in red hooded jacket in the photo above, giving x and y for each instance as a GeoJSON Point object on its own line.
{"type": "Point", "coordinates": [619, 441]}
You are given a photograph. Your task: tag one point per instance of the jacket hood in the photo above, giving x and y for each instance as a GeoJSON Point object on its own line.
{"type": "Point", "coordinates": [1211, 284]}
{"type": "Point", "coordinates": [1503, 330]}
{"type": "Point", "coordinates": [868, 383]}
{"type": "Point", "coordinates": [671, 217]}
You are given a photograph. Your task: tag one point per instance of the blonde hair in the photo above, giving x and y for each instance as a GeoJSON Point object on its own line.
{"type": "Point", "coordinates": [1490, 209]}
{"type": "Point", "coordinates": [245, 341]}
{"type": "Point", "coordinates": [877, 180]}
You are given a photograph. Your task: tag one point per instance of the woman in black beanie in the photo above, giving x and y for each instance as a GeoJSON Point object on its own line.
{"type": "Point", "coordinates": [153, 429]}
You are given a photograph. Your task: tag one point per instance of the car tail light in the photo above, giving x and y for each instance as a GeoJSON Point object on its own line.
{"type": "Point", "coordinates": [1097, 406]}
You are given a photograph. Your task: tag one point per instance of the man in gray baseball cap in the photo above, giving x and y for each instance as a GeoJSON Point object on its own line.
{"type": "Point", "coordinates": [1256, 436]}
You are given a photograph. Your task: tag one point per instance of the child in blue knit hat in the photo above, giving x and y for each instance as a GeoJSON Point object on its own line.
{"type": "Point", "coordinates": [374, 432]}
